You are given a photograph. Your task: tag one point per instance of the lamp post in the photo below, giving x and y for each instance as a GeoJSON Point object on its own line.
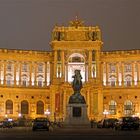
{"type": "Point", "coordinates": [47, 113]}
{"type": "Point", "coordinates": [105, 113]}
{"type": "Point", "coordinates": [19, 115]}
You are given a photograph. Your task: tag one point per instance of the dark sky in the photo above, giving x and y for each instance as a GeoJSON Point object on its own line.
{"type": "Point", "coordinates": [27, 24]}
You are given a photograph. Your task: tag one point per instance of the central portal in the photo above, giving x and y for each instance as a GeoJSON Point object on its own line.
{"type": "Point", "coordinates": [76, 62]}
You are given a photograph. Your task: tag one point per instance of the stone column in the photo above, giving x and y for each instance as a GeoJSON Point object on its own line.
{"type": "Point", "coordinates": [66, 64]}
{"type": "Point", "coordinates": [15, 70]}
{"type": "Point", "coordinates": [106, 74]}
{"type": "Point", "coordinates": [45, 74]}
{"type": "Point", "coordinates": [138, 74]}
{"type": "Point", "coordinates": [64, 103]}
{"type": "Point", "coordinates": [98, 69]}
{"type": "Point", "coordinates": [133, 72]}
{"type": "Point", "coordinates": [35, 74]}
{"type": "Point", "coordinates": [4, 72]}
{"type": "Point", "coordinates": [30, 68]}
{"type": "Point", "coordinates": [86, 71]}
{"type": "Point", "coordinates": [122, 73]}
{"type": "Point", "coordinates": [117, 74]}
{"type": "Point", "coordinates": [102, 73]}
{"type": "Point", "coordinates": [91, 104]}
{"type": "Point", "coordinates": [100, 103]}
{"type": "Point", "coordinates": [20, 69]}
{"type": "Point", "coordinates": [89, 64]}
{"type": "Point", "coordinates": [55, 64]}
{"type": "Point", "coordinates": [52, 104]}
{"type": "Point", "coordinates": [88, 103]}
{"type": "Point", "coordinates": [63, 65]}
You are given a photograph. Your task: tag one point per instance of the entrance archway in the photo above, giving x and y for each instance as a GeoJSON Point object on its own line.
{"type": "Point", "coordinates": [76, 62]}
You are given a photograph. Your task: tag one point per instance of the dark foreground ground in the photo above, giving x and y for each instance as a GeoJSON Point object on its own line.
{"type": "Point", "coordinates": [84, 133]}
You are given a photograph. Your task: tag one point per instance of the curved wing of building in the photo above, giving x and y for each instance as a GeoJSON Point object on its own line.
{"type": "Point", "coordinates": [38, 83]}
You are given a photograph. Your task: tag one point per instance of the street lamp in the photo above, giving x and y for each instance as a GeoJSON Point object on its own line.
{"type": "Point", "coordinates": [47, 113]}
{"type": "Point", "coordinates": [105, 113]}
{"type": "Point", "coordinates": [19, 115]}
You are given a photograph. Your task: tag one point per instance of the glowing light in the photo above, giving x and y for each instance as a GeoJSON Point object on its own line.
{"type": "Point", "coordinates": [19, 115]}
{"type": "Point", "coordinates": [105, 113]}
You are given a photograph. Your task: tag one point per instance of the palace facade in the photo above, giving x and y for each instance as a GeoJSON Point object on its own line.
{"type": "Point", "coordinates": [38, 83]}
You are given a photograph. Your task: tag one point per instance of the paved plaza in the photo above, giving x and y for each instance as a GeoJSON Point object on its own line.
{"type": "Point", "coordinates": [69, 133]}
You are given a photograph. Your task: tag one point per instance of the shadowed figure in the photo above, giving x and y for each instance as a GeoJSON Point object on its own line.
{"type": "Point", "coordinates": [77, 85]}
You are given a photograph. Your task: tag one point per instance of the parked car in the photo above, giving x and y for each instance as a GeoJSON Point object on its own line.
{"type": "Point", "coordinates": [7, 124]}
{"type": "Point", "coordinates": [107, 123]}
{"type": "Point", "coordinates": [127, 123]}
{"type": "Point", "coordinates": [1, 124]}
{"type": "Point", "coordinates": [41, 123]}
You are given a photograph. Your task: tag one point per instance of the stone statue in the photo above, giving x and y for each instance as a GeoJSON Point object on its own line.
{"type": "Point", "coordinates": [77, 85]}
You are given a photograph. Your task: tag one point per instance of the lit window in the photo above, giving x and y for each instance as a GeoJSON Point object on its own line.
{"type": "Point", "coordinates": [24, 80]}
{"type": "Point", "coordinates": [128, 80]}
{"type": "Point", "coordinates": [128, 106]}
{"type": "Point", "coordinates": [40, 83]}
{"type": "Point", "coordinates": [9, 67]}
{"type": "Point", "coordinates": [112, 68]}
{"type": "Point", "coordinates": [112, 81]}
{"type": "Point", "coordinates": [127, 68]}
{"type": "Point", "coordinates": [40, 68]}
{"type": "Point", "coordinates": [9, 80]}
{"type": "Point", "coordinates": [112, 107]}
{"type": "Point", "coordinates": [24, 67]}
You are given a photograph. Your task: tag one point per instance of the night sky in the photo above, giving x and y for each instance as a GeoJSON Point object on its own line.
{"type": "Point", "coordinates": [27, 24]}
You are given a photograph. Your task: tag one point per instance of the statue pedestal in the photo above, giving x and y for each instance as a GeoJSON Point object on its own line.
{"type": "Point", "coordinates": [76, 115]}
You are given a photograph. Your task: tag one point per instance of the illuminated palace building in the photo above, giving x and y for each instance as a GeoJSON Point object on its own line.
{"type": "Point", "coordinates": [38, 83]}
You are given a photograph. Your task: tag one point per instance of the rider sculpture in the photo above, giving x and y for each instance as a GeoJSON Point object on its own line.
{"type": "Point", "coordinates": [77, 85]}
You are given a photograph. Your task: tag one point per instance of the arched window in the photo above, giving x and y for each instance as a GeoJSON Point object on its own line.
{"type": "Point", "coordinates": [128, 107]}
{"type": "Point", "coordinates": [25, 67]}
{"type": "Point", "coordinates": [112, 80]}
{"type": "Point", "coordinates": [9, 67]}
{"type": "Point", "coordinates": [24, 80]}
{"type": "Point", "coordinates": [40, 81]}
{"type": "Point", "coordinates": [128, 80]}
{"type": "Point", "coordinates": [24, 107]}
{"type": "Point", "coordinates": [40, 108]}
{"type": "Point", "coordinates": [9, 80]}
{"type": "Point", "coordinates": [9, 107]}
{"type": "Point", "coordinates": [76, 61]}
{"type": "Point", "coordinates": [112, 107]}
{"type": "Point", "coordinates": [40, 68]}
